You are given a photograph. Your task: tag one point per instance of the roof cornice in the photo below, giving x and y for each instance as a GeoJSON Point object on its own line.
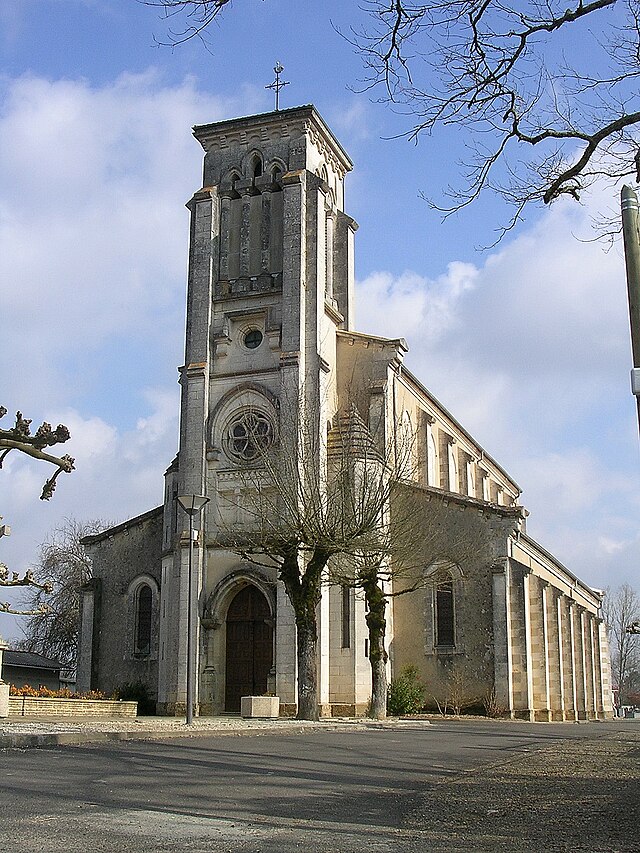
{"type": "Point", "coordinates": [296, 121]}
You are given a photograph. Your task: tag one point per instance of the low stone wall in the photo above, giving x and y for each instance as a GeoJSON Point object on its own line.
{"type": "Point", "coordinates": [36, 706]}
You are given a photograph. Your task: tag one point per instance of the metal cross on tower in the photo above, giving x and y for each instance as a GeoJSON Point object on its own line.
{"type": "Point", "coordinates": [277, 83]}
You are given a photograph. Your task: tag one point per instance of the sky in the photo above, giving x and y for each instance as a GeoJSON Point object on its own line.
{"type": "Point", "coordinates": [527, 344]}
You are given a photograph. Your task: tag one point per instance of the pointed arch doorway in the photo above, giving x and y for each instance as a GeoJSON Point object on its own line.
{"type": "Point", "coordinates": [249, 653]}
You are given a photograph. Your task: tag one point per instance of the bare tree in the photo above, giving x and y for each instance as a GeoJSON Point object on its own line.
{"type": "Point", "coordinates": [65, 565]}
{"type": "Point", "coordinates": [355, 523]}
{"type": "Point", "coordinates": [302, 516]}
{"type": "Point", "coordinates": [621, 609]}
{"type": "Point", "coordinates": [19, 439]}
{"type": "Point", "coordinates": [545, 91]}
{"type": "Point", "coordinates": [197, 15]}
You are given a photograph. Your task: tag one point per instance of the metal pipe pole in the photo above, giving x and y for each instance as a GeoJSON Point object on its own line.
{"type": "Point", "coordinates": [192, 505]}
{"type": "Point", "coordinates": [632, 261]}
{"type": "Point", "coordinates": [190, 643]}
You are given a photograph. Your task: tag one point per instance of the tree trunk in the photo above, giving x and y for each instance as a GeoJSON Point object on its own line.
{"type": "Point", "coordinates": [376, 605]}
{"type": "Point", "coordinates": [307, 653]}
{"type": "Point", "coordinates": [304, 589]}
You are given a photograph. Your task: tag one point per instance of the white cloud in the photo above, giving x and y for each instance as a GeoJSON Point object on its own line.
{"type": "Point", "coordinates": [93, 244]}
{"type": "Point", "coordinates": [530, 351]}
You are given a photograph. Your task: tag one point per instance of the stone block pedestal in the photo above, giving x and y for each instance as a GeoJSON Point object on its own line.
{"type": "Point", "coordinates": [259, 706]}
{"type": "Point", "coordinates": [4, 699]}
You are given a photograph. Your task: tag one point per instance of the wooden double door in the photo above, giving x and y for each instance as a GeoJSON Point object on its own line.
{"type": "Point", "coordinates": [249, 646]}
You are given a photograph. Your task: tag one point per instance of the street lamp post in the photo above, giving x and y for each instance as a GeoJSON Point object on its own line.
{"type": "Point", "coordinates": [630, 220]}
{"type": "Point", "coordinates": [191, 504]}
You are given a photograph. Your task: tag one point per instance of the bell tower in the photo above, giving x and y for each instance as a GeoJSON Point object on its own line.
{"type": "Point", "coordinates": [271, 281]}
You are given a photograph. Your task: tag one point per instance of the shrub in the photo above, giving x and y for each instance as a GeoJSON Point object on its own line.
{"type": "Point", "coordinates": [406, 693]}
{"type": "Point", "coordinates": [46, 693]}
{"type": "Point", "coordinates": [137, 691]}
{"type": "Point", "coordinates": [492, 707]}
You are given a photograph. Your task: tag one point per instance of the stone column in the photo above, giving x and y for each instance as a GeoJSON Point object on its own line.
{"type": "Point", "coordinates": [245, 232]}
{"type": "Point", "coordinates": [343, 267]}
{"type": "Point", "coordinates": [560, 647]}
{"type": "Point", "coordinates": [526, 583]}
{"type": "Point", "coordinates": [587, 666]}
{"type": "Point", "coordinates": [324, 651]}
{"type": "Point", "coordinates": [572, 640]}
{"type": "Point", "coordinates": [330, 231]}
{"type": "Point", "coordinates": [286, 664]}
{"type": "Point", "coordinates": [265, 231]}
{"type": "Point", "coordinates": [4, 687]}
{"type": "Point", "coordinates": [545, 633]}
{"type": "Point", "coordinates": [578, 662]}
{"type": "Point", "coordinates": [605, 670]}
{"type": "Point", "coordinates": [445, 443]}
{"type": "Point", "coordinates": [88, 636]}
{"type": "Point", "coordinates": [194, 381]}
{"type": "Point", "coordinates": [593, 643]}
{"type": "Point", "coordinates": [225, 225]}
{"type": "Point", "coordinates": [538, 645]}
{"type": "Point", "coordinates": [598, 671]}
{"type": "Point", "coordinates": [502, 657]}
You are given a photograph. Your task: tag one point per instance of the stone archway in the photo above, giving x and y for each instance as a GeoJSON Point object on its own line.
{"type": "Point", "coordinates": [249, 651]}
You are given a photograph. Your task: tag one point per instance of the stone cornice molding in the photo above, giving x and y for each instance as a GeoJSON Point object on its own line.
{"type": "Point", "coordinates": [275, 127]}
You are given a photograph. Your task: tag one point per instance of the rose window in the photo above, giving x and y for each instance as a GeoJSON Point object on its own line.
{"type": "Point", "coordinates": [249, 436]}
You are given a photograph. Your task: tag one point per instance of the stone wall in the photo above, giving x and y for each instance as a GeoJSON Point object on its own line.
{"type": "Point", "coordinates": [35, 706]}
{"type": "Point", "coordinates": [124, 558]}
{"type": "Point", "coordinates": [466, 538]}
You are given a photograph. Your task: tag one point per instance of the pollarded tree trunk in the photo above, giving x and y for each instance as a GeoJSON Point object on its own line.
{"type": "Point", "coordinates": [307, 652]}
{"type": "Point", "coordinates": [304, 589]}
{"type": "Point", "coordinates": [376, 602]}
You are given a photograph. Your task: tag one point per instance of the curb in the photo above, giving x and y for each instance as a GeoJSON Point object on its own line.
{"type": "Point", "coordinates": [49, 740]}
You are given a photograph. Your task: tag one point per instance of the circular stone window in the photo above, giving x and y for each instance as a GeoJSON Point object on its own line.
{"type": "Point", "coordinates": [248, 436]}
{"type": "Point", "coordinates": [253, 339]}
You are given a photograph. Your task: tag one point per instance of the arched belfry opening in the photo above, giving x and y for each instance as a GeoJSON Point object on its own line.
{"type": "Point", "coordinates": [256, 167]}
{"type": "Point", "coordinates": [249, 652]}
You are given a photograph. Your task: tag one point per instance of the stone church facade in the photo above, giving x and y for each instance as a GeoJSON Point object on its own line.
{"type": "Point", "coordinates": [270, 320]}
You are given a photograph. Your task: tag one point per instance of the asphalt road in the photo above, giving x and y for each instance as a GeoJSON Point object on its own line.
{"type": "Point", "coordinates": [323, 791]}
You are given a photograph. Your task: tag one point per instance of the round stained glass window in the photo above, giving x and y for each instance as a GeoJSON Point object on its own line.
{"type": "Point", "coordinates": [253, 339]}
{"type": "Point", "coordinates": [248, 436]}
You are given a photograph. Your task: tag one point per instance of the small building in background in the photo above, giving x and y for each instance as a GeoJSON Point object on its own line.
{"type": "Point", "coordinates": [29, 668]}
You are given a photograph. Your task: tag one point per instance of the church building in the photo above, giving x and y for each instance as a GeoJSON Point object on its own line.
{"type": "Point", "coordinates": [270, 320]}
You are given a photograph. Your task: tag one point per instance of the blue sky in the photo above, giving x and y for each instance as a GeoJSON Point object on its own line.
{"type": "Point", "coordinates": [527, 344]}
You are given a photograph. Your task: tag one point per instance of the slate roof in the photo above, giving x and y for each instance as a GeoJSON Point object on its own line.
{"type": "Point", "coordinates": [29, 660]}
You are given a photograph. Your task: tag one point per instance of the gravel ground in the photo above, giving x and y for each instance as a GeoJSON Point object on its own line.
{"type": "Point", "coordinates": [577, 795]}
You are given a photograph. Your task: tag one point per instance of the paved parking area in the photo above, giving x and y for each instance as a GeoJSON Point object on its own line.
{"type": "Point", "coordinates": [335, 787]}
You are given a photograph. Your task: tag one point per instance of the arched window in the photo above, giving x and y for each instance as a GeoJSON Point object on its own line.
{"type": "Point", "coordinates": [144, 606]}
{"type": "Point", "coordinates": [444, 633]}
{"type": "Point", "coordinates": [276, 173]}
{"type": "Point", "coordinates": [453, 469]}
{"type": "Point", "coordinates": [444, 620]}
{"type": "Point", "coordinates": [256, 167]}
{"type": "Point", "coordinates": [471, 480]}
{"type": "Point", "coordinates": [432, 457]}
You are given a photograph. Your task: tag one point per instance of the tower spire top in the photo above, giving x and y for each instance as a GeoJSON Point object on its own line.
{"type": "Point", "coordinates": [277, 83]}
